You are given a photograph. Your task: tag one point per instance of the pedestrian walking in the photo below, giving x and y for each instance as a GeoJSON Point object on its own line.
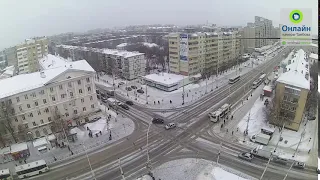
{"type": "Point", "coordinates": [232, 132]}
{"type": "Point", "coordinates": [309, 151]}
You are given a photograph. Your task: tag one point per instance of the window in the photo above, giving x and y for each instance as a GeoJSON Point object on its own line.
{"type": "Point", "coordinates": [9, 101]}
{"type": "Point", "coordinates": [53, 98]}
{"type": "Point", "coordinates": [51, 89]}
{"type": "Point", "coordinates": [67, 114]}
{"type": "Point", "coordinates": [34, 123]}
{"type": "Point", "coordinates": [36, 103]}
{"type": "Point", "coordinates": [89, 88]}
{"type": "Point", "coordinates": [39, 112]}
{"type": "Point", "coordinates": [63, 96]}
{"type": "Point", "coordinates": [84, 109]}
{"type": "Point", "coordinates": [46, 110]}
{"type": "Point", "coordinates": [23, 117]}
{"type": "Point", "coordinates": [88, 79]}
{"type": "Point", "coordinates": [38, 135]}
{"type": "Point", "coordinates": [26, 96]}
{"type": "Point", "coordinates": [12, 111]}
{"type": "Point", "coordinates": [79, 82]}
{"type": "Point", "coordinates": [26, 126]}
{"type": "Point", "coordinates": [80, 91]}
{"type": "Point", "coordinates": [18, 99]}
{"type": "Point", "coordinates": [91, 98]}
{"type": "Point", "coordinates": [92, 105]}
{"type": "Point", "coordinates": [31, 115]}
{"type": "Point", "coordinates": [60, 86]}
{"type": "Point", "coordinates": [16, 119]}
{"type": "Point", "coordinates": [71, 94]}
{"type": "Point", "coordinates": [28, 105]}
{"type": "Point", "coordinates": [82, 100]}
{"type": "Point", "coordinates": [20, 108]}
{"type": "Point", "coordinates": [44, 101]}
{"type": "Point", "coordinates": [45, 131]}
{"type": "Point", "coordinates": [75, 111]}
{"type": "Point", "coordinates": [33, 94]}
{"type": "Point", "coordinates": [49, 119]}
{"type": "Point", "coordinates": [41, 92]}
{"type": "Point", "coordinates": [41, 121]}
{"type": "Point", "coordinates": [69, 84]}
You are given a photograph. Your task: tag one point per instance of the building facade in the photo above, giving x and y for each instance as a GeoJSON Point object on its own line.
{"type": "Point", "coordinates": [249, 42]}
{"type": "Point", "coordinates": [29, 53]}
{"type": "Point", "coordinates": [125, 64]}
{"type": "Point", "coordinates": [31, 108]}
{"type": "Point", "coordinates": [11, 56]}
{"type": "Point", "coordinates": [263, 29]}
{"type": "Point", "coordinates": [202, 53]}
{"type": "Point", "coordinates": [291, 93]}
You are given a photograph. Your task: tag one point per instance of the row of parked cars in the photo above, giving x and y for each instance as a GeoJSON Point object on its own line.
{"type": "Point", "coordinates": [129, 88]}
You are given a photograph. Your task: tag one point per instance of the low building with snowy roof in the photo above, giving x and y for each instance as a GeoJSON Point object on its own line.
{"type": "Point", "coordinates": [166, 81]}
{"type": "Point", "coordinates": [313, 57]}
{"type": "Point", "coordinates": [292, 88]}
{"type": "Point", "coordinates": [35, 99]}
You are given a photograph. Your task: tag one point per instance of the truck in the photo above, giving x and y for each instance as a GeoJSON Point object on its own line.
{"type": "Point", "coordinates": [262, 151]}
{"type": "Point", "coordinates": [112, 102]}
{"type": "Point", "coordinates": [260, 138]}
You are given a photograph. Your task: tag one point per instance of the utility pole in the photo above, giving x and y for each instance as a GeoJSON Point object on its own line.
{"type": "Point", "coordinates": [219, 152]}
{"type": "Point", "coordinates": [246, 131]}
{"type": "Point", "coordinates": [302, 135]}
{"type": "Point", "coordinates": [127, 87]}
{"type": "Point", "coordinates": [217, 73]}
{"type": "Point", "coordinates": [146, 94]}
{"type": "Point", "coordinates": [288, 170]}
{"type": "Point", "coordinates": [264, 171]}
{"type": "Point", "coordinates": [113, 84]}
{"type": "Point", "coordinates": [84, 147]}
{"type": "Point", "coordinates": [122, 174]}
{"type": "Point", "coordinates": [182, 89]}
{"type": "Point", "coordinates": [148, 157]}
{"type": "Point", "coordinates": [206, 84]}
{"type": "Point", "coordinates": [279, 137]}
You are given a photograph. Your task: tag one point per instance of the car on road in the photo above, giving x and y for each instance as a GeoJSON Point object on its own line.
{"type": "Point", "coordinates": [157, 121]}
{"type": "Point", "coordinates": [311, 117]}
{"type": "Point", "coordinates": [299, 165]}
{"type": "Point", "coordinates": [129, 103]}
{"type": "Point", "coordinates": [124, 106]}
{"type": "Point", "coordinates": [128, 88]}
{"type": "Point", "coordinates": [121, 83]}
{"type": "Point", "coordinates": [134, 87]}
{"type": "Point", "coordinates": [140, 91]}
{"type": "Point", "coordinates": [246, 156]}
{"type": "Point", "coordinates": [170, 126]}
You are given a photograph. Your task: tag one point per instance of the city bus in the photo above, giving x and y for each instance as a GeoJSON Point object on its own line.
{"type": "Point", "coordinates": [234, 79]}
{"type": "Point", "coordinates": [257, 82]}
{"type": "Point", "coordinates": [31, 169]}
{"type": "Point", "coordinates": [5, 174]}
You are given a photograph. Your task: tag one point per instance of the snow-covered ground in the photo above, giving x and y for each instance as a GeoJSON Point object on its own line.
{"type": "Point", "coordinates": [192, 91]}
{"type": "Point", "coordinates": [196, 169]}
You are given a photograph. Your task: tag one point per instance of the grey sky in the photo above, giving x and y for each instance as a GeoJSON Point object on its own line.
{"type": "Point", "coordinates": [27, 18]}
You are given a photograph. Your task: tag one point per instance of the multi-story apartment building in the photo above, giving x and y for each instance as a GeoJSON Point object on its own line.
{"type": "Point", "coordinates": [291, 93]}
{"type": "Point", "coordinates": [249, 43]}
{"type": "Point", "coordinates": [29, 53]}
{"type": "Point", "coordinates": [11, 56]}
{"type": "Point", "coordinates": [202, 53]}
{"type": "Point", "coordinates": [30, 103]}
{"type": "Point", "coordinates": [125, 64]}
{"type": "Point", "coordinates": [263, 28]}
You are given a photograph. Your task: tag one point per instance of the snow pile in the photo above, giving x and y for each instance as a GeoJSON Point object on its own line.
{"type": "Point", "coordinates": [150, 45]}
{"type": "Point", "coordinates": [97, 126]}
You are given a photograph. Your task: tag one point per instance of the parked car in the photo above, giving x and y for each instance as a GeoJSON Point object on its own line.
{"type": "Point", "coordinates": [299, 165]}
{"type": "Point", "coordinates": [157, 121]}
{"type": "Point", "coordinates": [311, 117]}
{"type": "Point", "coordinates": [121, 83]}
{"type": "Point", "coordinates": [134, 87]}
{"type": "Point", "coordinates": [129, 103]}
{"type": "Point", "coordinates": [246, 156]}
{"type": "Point", "coordinates": [124, 106]}
{"type": "Point", "coordinates": [140, 91]}
{"type": "Point", "coordinates": [128, 88]}
{"type": "Point", "coordinates": [170, 126]}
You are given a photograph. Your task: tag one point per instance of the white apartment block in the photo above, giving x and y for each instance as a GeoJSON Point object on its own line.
{"type": "Point", "coordinates": [249, 44]}
{"type": "Point", "coordinates": [191, 54]}
{"type": "Point", "coordinates": [33, 100]}
{"type": "Point", "coordinates": [125, 64]}
{"type": "Point", "coordinates": [263, 29]}
{"type": "Point", "coordinates": [29, 53]}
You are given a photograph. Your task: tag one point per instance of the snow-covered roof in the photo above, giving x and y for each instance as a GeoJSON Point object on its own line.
{"type": "Point", "coordinates": [5, 150]}
{"type": "Point", "coordinates": [165, 78]}
{"type": "Point", "coordinates": [18, 147]}
{"type": "Point", "coordinates": [315, 45]}
{"type": "Point", "coordinates": [267, 88]}
{"type": "Point", "coordinates": [313, 56]}
{"type": "Point", "coordinates": [51, 61]}
{"type": "Point", "coordinates": [297, 72]}
{"type": "Point", "coordinates": [150, 44]}
{"type": "Point", "coordinates": [122, 45]}
{"type": "Point", "coordinates": [25, 82]}
{"type": "Point", "coordinates": [40, 142]}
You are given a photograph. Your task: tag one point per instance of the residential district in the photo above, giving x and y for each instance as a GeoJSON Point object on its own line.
{"type": "Point", "coordinates": [160, 102]}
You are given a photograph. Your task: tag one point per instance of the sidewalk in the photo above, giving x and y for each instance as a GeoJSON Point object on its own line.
{"type": "Point", "coordinates": [119, 126]}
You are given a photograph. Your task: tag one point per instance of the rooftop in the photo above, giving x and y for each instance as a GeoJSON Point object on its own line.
{"type": "Point", "coordinates": [165, 78]}
{"type": "Point", "coordinates": [297, 72]}
{"type": "Point", "coordinates": [314, 56]}
{"type": "Point", "coordinates": [25, 82]}
{"type": "Point", "coordinates": [51, 61]}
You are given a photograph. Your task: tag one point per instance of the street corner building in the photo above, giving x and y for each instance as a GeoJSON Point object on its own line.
{"type": "Point", "coordinates": [30, 103]}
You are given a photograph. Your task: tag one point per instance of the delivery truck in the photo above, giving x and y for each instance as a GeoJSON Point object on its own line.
{"type": "Point", "coordinates": [263, 151]}
{"type": "Point", "coordinates": [260, 138]}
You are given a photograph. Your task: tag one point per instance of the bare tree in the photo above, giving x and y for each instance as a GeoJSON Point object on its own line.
{"type": "Point", "coordinates": [59, 126]}
{"type": "Point", "coordinates": [6, 117]}
{"type": "Point", "coordinates": [22, 131]}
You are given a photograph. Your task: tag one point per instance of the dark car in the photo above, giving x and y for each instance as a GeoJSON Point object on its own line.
{"type": "Point", "coordinates": [246, 156]}
{"type": "Point", "coordinates": [134, 87]}
{"type": "Point", "coordinates": [124, 106]}
{"type": "Point", "coordinates": [129, 103]}
{"type": "Point", "coordinates": [128, 88]}
{"type": "Point", "coordinates": [157, 121]}
{"type": "Point", "coordinates": [311, 117]}
{"type": "Point", "coordinates": [299, 165]}
{"type": "Point", "coordinates": [140, 91]}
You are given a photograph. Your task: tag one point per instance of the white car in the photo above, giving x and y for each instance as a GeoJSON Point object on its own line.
{"type": "Point", "coordinates": [170, 126]}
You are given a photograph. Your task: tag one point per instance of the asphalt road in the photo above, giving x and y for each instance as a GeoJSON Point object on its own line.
{"type": "Point", "coordinates": [164, 145]}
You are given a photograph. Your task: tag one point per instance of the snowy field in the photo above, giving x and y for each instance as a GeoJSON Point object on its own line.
{"type": "Point", "coordinates": [161, 99]}
{"type": "Point", "coordinates": [196, 169]}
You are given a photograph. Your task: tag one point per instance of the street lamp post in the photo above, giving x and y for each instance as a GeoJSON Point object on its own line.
{"type": "Point", "coordinates": [264, 171]}
{"type": "Point", "coordinates": [285, 177]}
{"type": "Point", "coordinates": [279, 137]}
{"type": "Point", "coordinates": [148, 158]}
{"type": "Point", "coordinates": [85, 150]}
{"type": "Point", "coordinates": [246, 131]}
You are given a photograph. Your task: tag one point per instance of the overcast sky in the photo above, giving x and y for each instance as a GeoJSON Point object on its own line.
{"type": "Point", "coordinates": [21, 19]}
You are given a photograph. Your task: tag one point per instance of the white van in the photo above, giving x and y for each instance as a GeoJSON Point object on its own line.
{"type": "Point", "coordinates": [170, 126]}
